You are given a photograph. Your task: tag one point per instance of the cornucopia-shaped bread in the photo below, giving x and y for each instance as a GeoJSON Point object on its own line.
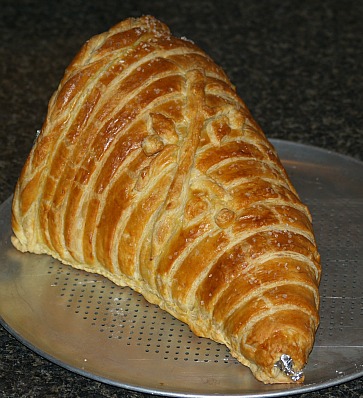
{"type": "Point", "coordinates": [150, 170]}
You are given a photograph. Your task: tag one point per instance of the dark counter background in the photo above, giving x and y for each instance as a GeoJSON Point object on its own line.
{"type": "Point", "coordinates": [297, 64]}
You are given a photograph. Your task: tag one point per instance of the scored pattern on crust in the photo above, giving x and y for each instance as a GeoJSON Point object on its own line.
{"type": "Point", "coordinates": [151, 171]}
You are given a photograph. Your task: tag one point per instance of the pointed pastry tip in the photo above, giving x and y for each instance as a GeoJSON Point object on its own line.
{"type": "Point", "coordinates": [286, 365]}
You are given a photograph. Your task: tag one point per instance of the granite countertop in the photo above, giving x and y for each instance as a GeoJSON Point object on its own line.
{"type": "Point", "coordinates": [297, 65]}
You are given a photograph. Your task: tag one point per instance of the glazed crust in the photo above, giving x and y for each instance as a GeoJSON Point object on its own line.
{"type": "Point", "coordinates": [150, 170]}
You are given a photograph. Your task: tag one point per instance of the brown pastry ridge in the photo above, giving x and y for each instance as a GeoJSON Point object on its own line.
{"type": "Point", "coordinates": [150, 170]}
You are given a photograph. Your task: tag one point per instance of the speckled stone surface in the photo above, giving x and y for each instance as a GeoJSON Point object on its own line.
{"type": "Point", "coordinates": [296, 64]}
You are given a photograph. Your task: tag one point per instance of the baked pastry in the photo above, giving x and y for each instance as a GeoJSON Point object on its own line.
{"type": "Point", "coordinates": [150, 170]}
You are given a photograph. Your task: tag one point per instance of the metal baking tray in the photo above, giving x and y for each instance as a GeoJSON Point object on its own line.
{"type": "Point", "coordinates": [88, 325]}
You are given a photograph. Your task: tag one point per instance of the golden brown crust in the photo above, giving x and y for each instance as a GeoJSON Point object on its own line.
{"type": "Point", "coordinates": [150, 170]}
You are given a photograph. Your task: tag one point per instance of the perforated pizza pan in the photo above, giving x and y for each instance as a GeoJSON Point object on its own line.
{"type": "Point", "coordinates": [88, 325]}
